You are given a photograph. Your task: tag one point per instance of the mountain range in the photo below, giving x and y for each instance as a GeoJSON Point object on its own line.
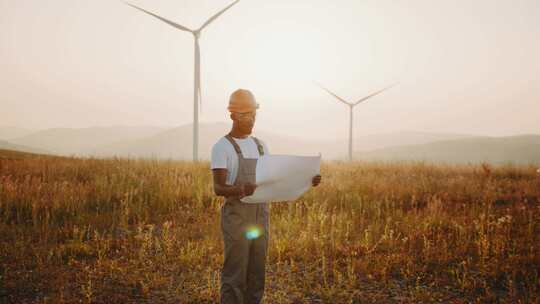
{"type": "Point", "coordinates": [176, 143]}
{"type": "Point", "coordinates": [522, 149]}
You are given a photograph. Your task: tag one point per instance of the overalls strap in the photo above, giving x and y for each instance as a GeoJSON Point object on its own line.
{"type": "Point", "coordinates": [235, 145]}
{"type": "Point", "coordinates": [237, 148]}
{"type": "Point", "coordinates": [259, 146]}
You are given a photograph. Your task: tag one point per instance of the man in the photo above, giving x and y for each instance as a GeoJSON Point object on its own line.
{"type": "Point", "coordinates": [244, 226]}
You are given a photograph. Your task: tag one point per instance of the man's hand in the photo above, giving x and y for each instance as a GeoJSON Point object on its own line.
{"type": "Point", "coordinates": [316, 180]}
{"type": "Point", "coordinates": [247, 189]}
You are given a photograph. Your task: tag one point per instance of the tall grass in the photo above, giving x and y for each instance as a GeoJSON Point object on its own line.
{"type": "Point", "coordinates": [120, 231]}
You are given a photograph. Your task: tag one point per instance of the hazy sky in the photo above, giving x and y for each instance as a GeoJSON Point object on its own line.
{"type": "Point", "coordinates": [462, 66]}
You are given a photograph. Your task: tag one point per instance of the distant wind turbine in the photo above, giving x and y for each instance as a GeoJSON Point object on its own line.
{"type": "Point", "coordinates": [351, 106]}
{"type": "Point", "coordinates": [197, 95]}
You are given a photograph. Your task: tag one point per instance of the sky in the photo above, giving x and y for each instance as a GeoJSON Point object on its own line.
{"type": "Point", "coordinates": [468, 67]}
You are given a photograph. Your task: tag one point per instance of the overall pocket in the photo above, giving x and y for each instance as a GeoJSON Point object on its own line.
{"type": "Point", "coordinates": [232, 221]}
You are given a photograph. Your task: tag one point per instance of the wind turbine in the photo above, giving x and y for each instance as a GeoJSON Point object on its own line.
{"type": "Point", "coordinates": [197, 95]}
{"type": "Point", "coordinates": [351, 106]}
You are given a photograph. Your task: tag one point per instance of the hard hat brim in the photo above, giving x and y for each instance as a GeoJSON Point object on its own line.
{"type": "Point", "coordinates": [243, 110]}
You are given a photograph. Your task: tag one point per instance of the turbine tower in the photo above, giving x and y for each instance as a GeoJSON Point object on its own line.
{"type": "Point", "coordinates": [197, 95]}
{"type": "Point", "coordinates": [351, 106]}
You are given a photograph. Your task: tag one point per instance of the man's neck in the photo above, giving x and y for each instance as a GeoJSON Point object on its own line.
{"type": "Point", "coordinates": [234, 133]}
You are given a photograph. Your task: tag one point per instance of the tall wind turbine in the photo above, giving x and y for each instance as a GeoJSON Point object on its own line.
{"type": "Point", "coordinates": [351, 106]}
{"type": "Point", "coordinates": [197, 95]}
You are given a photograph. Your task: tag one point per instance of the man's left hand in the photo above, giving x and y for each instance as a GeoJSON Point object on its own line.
{"type": "Point", "coordinates": [316, 180]}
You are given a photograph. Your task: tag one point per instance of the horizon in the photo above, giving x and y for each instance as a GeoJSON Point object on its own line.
{"type": "Point", "coordinates": [283, 134]}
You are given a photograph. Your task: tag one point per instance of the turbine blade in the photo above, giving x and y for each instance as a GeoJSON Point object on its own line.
{"type": "Point", "coordinates": [338, 98]}
{"type": "Point", "coordinates": [176, 25]}
{"type": "Point", "coordinates": [198, 72]}
{"type": "Point", "coordinates": [373, 94]}
{"type": "Point", "coordinates": [217, 15]}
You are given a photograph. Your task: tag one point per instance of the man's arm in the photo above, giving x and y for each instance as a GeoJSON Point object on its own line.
{"type": "Point", "coordinates": [222, 189]}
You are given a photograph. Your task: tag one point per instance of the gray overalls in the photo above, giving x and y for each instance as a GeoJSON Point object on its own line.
{"type": "Point", "coordinates": [245, 238]}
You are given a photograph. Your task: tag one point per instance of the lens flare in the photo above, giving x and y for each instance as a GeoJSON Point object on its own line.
{"type": "Point", "coordinates": [253, 233]}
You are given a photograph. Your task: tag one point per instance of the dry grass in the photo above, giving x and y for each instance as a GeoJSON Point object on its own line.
{"type": "Point", "coordinates": [136, 231]}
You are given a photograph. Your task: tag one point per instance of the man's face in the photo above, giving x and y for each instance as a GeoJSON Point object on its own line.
{"type": "Point", "coordinates": [245, 121]}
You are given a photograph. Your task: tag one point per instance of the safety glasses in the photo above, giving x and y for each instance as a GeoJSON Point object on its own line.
{"type": "Point", "coordinates": [246, 116]}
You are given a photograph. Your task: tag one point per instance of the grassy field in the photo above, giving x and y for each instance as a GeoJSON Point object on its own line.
{"type": "Point", "coordinates": [142, 231]}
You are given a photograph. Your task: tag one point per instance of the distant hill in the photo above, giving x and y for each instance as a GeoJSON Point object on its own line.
{"type": "Point", "coordinates": [377, 141]}
{"type": "Point", "coordinates": [174, 143]}
{"type": "Point", "coordinates": [12, 154]}
{"type": "Point", "coordinates": [5, 145]}
{"type": "Point", "coordinates": [177, 143]}
{"type": "Point", "coordinates": [67, 141]}
{"type": "Point", "coordinates": [9, 132]}
{"type": "Point", "coordinates": [523, 149]}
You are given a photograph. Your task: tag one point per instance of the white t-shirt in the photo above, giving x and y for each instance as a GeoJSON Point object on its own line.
{"type": "Point", "coordinates": [224, 156]}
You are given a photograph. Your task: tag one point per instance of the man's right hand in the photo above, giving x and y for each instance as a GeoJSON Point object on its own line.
{"type": "Point", "coordinates": [222, 189]}
{"type": "Point", "coordinates": [247, 189]}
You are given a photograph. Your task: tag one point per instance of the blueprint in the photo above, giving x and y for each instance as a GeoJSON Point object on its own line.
{"type": "Point", "coordinates": [283, 177]}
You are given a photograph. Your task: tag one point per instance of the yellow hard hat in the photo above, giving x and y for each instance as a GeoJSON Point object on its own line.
{"type": "Point", "coordinates": [242, 101]}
